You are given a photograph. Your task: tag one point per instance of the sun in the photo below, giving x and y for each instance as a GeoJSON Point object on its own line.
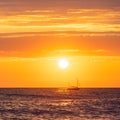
{"type": "Point", "coordinates": [63, 63]}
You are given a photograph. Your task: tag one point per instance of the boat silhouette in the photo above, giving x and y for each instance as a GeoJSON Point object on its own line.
{"type": "Point", "coordinates": [74, 87]}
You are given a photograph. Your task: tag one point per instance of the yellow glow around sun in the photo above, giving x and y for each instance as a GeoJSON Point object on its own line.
{"type": "Point", "coordinates": [63, 63]}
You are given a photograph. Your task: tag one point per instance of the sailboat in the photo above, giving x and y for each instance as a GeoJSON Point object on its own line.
{"type": "Point", "coordinates": [74, 87]}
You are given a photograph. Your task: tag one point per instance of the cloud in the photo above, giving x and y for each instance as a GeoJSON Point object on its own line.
{"type": "Point", "coordinates": [82, 20]}
{"type": "Point", "coordinates": [88, 27]}
{"type": "Point", "coordinates": [84, 59]}
{"type": "Point", "coordinates": [78, 52]}
{"type": "Point", "coordinates": [55, 53]}
{"type": "Point", "coordinates": [59, 4]}
{"type": "Point", "coordinates": [28, 26]}
{"type": "Point", "coordinates": [58, 33]}
{"type": "Point", "coordinates": [68, 42]}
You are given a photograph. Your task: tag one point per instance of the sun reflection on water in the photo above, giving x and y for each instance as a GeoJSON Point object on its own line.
{"type": "Point", "coordinates": [63, 91]}
{"type": "Point", "coordinates": [65, 102]}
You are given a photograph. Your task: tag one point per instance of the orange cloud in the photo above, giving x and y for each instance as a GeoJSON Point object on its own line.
{"type": "Point", "coordinates": [82, 20]}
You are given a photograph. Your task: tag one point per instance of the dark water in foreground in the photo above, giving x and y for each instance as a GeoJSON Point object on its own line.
{"type": "Point", "coordinates": [59, 104]}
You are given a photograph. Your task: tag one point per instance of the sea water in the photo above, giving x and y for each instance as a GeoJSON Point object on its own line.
{"type": "Point", "coordinates": [59, 104]}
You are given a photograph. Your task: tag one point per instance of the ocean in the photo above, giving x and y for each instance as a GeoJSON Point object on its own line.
{"type": "Point", "coordinates": [59, 104]}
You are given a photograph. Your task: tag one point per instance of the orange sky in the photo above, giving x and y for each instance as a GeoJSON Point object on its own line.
{"type": "Point", "coordinates": [34, 35]}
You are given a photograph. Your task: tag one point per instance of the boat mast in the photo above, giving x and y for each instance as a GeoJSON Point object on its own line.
{"type": "Point", "coordinates": [77, 82]}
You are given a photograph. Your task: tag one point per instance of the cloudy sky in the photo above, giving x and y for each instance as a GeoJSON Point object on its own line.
{"type": "Point", "coordinates": [31, 27]}
{"type": "Point", "coordinates": [33, 30]}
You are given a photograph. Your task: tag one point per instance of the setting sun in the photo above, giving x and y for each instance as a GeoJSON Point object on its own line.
{"type": "Point", "coordinates": [63, 63]}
